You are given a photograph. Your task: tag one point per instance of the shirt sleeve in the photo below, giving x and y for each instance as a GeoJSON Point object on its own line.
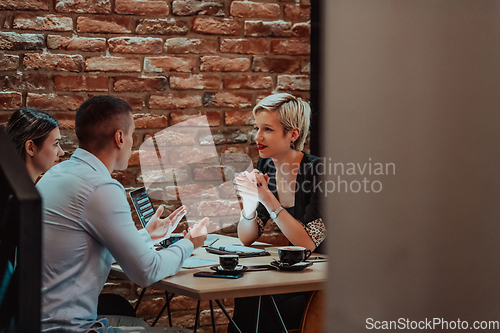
{"type": "Point", "coordinates": [107, 218]}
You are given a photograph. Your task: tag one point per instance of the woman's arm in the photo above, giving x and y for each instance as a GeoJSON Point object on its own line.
{"type": "Point", "coordinates": [292, 229]}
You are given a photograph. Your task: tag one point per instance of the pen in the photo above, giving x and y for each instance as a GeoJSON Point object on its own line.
{"type": "Point", "coordinates": [213, 242]}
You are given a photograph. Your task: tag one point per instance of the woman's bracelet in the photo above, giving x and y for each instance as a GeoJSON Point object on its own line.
{"type": "Point", "coordinates": [249, 219]}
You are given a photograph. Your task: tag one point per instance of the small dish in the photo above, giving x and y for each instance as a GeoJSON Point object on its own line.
{"type": "Point", "coordinates": [237, 269]}
{"type": "Point", "coordinates": [300, 266]}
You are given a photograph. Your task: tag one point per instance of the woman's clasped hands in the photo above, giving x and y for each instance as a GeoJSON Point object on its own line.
{"type": "Point", "coordinates": [252, 188]}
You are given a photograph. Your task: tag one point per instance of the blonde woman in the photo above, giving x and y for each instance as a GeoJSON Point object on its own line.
{"type": "Point", "coordinates": [282, 188]}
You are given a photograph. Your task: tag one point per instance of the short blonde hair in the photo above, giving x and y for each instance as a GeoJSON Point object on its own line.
{"type": "Point", "coordinates": [293, 113]}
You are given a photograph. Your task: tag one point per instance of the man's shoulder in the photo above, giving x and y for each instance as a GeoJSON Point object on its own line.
{"type": "Point", "coordinates": [76, 176]}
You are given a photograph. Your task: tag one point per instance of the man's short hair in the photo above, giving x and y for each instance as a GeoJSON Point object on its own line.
{"type": "Point", "coordinates": [98, 119]}
{"type": "Point", "coordinates": [293, 113]}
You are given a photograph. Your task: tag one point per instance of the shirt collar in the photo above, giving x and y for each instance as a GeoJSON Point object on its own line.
{"type": "Point", "coordinates": [91, 160]}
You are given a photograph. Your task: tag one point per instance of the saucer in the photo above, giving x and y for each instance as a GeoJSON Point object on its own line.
{"type": "Point", "coordinates": [237, 269]}
{"type": "Point", "coordinates": [300, 266]}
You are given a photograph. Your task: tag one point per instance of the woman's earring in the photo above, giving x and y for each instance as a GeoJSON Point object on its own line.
{"type": "Point", "coordinates": [292, 145]}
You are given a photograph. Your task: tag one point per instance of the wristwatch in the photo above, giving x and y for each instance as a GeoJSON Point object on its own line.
{"type": "Point", "coordinates": [275, 213]}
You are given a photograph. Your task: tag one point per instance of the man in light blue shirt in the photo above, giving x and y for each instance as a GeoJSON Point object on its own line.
{"type": "Point", "coordinates": [87, 222]}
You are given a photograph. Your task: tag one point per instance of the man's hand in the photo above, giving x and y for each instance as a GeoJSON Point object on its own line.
{"type": "Point", "coordinates": [197, 234]}
{"type": "Point", "coordinates": [160, 229]}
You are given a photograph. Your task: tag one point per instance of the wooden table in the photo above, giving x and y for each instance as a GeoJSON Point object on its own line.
{"type": "Point", "coordinates": [253, 283]}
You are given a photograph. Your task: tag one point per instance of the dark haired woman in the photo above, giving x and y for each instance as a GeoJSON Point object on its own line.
{"type": "Point", "coordinates": [36, 137]}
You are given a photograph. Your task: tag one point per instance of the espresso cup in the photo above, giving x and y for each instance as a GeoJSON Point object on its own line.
{"type": "Point", "coordinates": [228, 261]}
{"type": "Point", "coordinates": [293, 254]}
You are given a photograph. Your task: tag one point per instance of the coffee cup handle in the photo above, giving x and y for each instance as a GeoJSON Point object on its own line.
{"type": "Point", "coordinates": [308, 254]}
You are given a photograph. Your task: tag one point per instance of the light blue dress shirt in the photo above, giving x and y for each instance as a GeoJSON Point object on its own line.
{"type": "Point", "coordinates": [87, 222]}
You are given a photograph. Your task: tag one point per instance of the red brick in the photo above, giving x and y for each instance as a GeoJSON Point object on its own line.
{"type": "Point", "coordinates": [195, 81]}
{"type": "Point", "coordinates": [224, 64]}
{"type": "Point", "coordinates": [216, 26]}
{"type": "Point", "coordinates": [186, 155]}
{"type": "Point", "coordinates": [24, 5]}
{"type": "Point", "coordinates": [84, 44]}
{"type": "Point", "coordinates": [238, 117]}
{"type": "Point", "coordinates": [193, 191]}
{"type": "Point", "coordinates": [247, 81]}
{"type": "Point", "coordinates": [162, 27]}
{"type": "Point", "coordinates": [244, 46]}
{"type": "Point", "coordinates": [290, 47]}
{"type": "Point", "coordinates": [104, 24]}
{"type": "Point", "coordinates": [134, 159]}
{"type": "Point", "coordinates": [8, 62]}
{"type": "Point", "coordinates": [10, 100]}
{"type": "Point", "coordinates": [80, 83]}
{"type": "Point", "coordinates": [219, 317]}
{"type": "Point", "coordinates": [139, 45]}
{"type": "Point", "coordinates": [226, 99]}
{"type": "Point", "coordinates": [275, 65]}
{"type": "Point", "coordinates": [26, 81]}
{"type": "Point", "coordinates": [54, 102]}
{"type": "Point", "coordinates": [136, 103]}
{"type": "Point", "coordinates": [169, 64]}
{"type": "Point", "coordinates": [64, 62]}
{"type": "Point", "coordinates": [15, 42]}
{"type": "Point", "coordinates": [4, 117]}
{"type": "Point", "coordinates": [268, 29]}
{"type": "Point", "coordinates": [130, 83]}
{"type": "Point", "coordinates": [213, 117]}
{"type": "Point", "coordinates": [233, 154]}
{"type": "Point", "coordinates": [297, 12]}
{"type": "Point", "coordinates": [174, 101]}
{"type": "Point", "coordinates": [249, 9]}
{"type": "Point", "coordinates": [178, 136]}
{"type": "Point", "coordinates": [220, 207]}
{"type": "Point", "coordinates": [83, 6]}
{"type": "Point", "coordinates": [143, 120]}
{"type": "Point", "coordinates": [191, 45]}
{"type": "Point", "coordinates": [115, 64]}
{"type": "Point", "coordinates": [197, 7]}
{"type": "Point", "coordinates": [223, 137]}
{"type": "Point", "coordinates": [43, 22]}
{"type": "Point", "coordinates": [141, 7]}
{"type": "Point", "coordinates": [302, 29]}
{"type": "Point", "coordinates": [125, 177]}
{"type": "Point", "coordinates": [65, 120]}
{"type": "Point", "coordinates": [306, 66]}
{"type": "Point", "coordinates": [208, 173]}
{"type": "Point", "coordinates": [294, 82]}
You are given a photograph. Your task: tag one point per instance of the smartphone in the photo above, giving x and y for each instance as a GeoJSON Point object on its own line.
{"type": "Point", "coordinates": [219, 275]}
{"type": "Point", "coordinates": [142, 205]}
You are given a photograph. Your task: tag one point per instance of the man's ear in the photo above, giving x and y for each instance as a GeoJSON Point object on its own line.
{"type": "Point", "coordinates": [30, 148]}
{"type": "Point", "coordinates": [119, 138]}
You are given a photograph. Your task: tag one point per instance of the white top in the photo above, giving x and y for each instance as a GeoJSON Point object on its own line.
{"type": "Point", "coordinates": [87, 222]}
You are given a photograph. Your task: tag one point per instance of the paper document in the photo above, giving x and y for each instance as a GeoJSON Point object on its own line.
{"type": "Point", "coordinates": [193, 262]}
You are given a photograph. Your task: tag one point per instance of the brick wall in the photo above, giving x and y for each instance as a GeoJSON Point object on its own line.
{"type": "Point", "coordinates": [171, 61]}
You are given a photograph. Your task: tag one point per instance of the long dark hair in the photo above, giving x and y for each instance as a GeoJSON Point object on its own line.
{"type": "Point", "coordinates": [29, 124]}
